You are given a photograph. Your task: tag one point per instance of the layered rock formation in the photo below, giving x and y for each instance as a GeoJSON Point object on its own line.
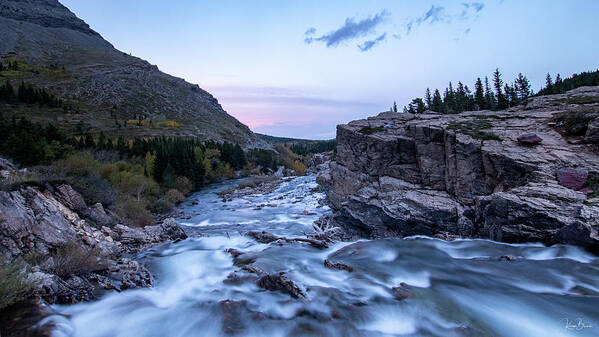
{"type": "Point", "coordinates": [467, 175]}
{"type": "Point", "coordinates": [104, 82]}
{"type": "Point", "coordinates": [73, 249]}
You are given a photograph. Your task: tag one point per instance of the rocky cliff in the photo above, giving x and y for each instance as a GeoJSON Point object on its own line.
{"type": "Point", "coordinates": [63, 54]}
{"type": "Point", "coordinates": [72, 250]}
{"type": "Point", "coordinates": [520, 175]}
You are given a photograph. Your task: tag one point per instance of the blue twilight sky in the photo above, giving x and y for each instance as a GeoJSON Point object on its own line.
{"type": "Point", "coordinates": [298, 68]}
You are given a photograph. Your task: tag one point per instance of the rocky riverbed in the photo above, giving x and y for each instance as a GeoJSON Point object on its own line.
{"type": "Point", "coordinates": [241, 273]}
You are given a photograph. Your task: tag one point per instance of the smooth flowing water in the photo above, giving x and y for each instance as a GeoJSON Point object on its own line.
{"type": "Point", "coordinates": [459, 288]}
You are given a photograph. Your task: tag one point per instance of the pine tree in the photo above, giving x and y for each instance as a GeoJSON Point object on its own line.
{"type": "Point", "coordinates": [548, 84]}
{"type": "Point", "coordinates": [502, 102]}
{"type": "Point", "coordinates": [428, 99]}
{"type": "Point", "coordinates": [449, 100]}
{"type": "Point", "coordinates": [437, 102]}
{"type": "Point", "coordinates": [522, 87]}
{"type": "Point", "coordinates": [489, 96]}
{"type": "Point", "coordinates": [417, 106]}
{"type": "Point", "coordinates": [557, 86]}
{"type": "Point", "coordinates": [479, 95]}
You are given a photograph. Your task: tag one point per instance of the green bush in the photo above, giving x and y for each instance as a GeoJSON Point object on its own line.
{"type": "Point", "coordinates": [134, 212]}
{"type": "Point", "coordinates": [14, 285]}
{"type": "Point", "coordinates": [474, 128]}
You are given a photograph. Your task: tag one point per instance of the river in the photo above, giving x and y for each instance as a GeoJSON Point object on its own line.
{"type": "Point", "coordinates": [458, 288]}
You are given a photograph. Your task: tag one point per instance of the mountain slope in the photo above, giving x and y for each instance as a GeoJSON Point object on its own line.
{"type": "Point", "coordinates": [60, 52]}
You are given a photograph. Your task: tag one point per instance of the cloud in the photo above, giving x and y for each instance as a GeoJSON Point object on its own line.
{"type": "Point", "coordinates": [310, 31]}
{"type": "Point", "coordinates": [478, 6]}
{"type": "Point", "coordinates": [467, 31]}
{"type": "Point", "coordinates": [474, 6]}
{"type": "Point", "coordinates": [434, 14]}
{"type": "Point", "coordinates": [350, 30]}
{"type": "Point", "coordinates": [367, 45]}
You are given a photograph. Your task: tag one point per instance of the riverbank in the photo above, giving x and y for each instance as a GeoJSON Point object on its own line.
{"type": "Point", "coordinates": [226, 282]}
{"type": "Point", "coordinates": [526, 174]}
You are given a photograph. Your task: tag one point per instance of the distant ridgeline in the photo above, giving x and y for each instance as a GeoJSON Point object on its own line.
{"type": "Point", "coordinates": [302, 147]}
{"type": "Point", "coordinates": [494, 96]}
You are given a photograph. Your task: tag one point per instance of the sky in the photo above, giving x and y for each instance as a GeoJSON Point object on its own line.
{"type": "Point", "coordinates": [299, 68]}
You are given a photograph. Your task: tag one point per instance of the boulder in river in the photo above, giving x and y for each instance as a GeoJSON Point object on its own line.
{"type": "Point", "coordinates": [338, 266]}
{"type": "Point", "coordinates": [402, 292]}
{"type": "Point", "coordinates": [278, 282]}
{"type": "Point", "coordinates": [262, 237]}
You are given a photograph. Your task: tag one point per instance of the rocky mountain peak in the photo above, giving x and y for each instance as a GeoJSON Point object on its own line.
{"type": "Point", "coordinates": [45, 13]}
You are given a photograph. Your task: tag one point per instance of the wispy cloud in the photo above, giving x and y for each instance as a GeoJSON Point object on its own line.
{"type": "Point", "coordinates": [350, 30]}
{"type": "Point", "coordinates": [310, 31]}
{"type": "Point", "coordinates": [367, 45]}
{"type": "Point", "coordinates": [441, 14]}
{"type": "Point", "coordinates": [434, 14]}
{"type": "Point", "coordinates": [469, 8]}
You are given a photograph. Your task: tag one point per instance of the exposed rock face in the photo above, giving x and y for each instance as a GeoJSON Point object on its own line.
{"type": "Point", "coordinates": [36, 221]}
{"type": "Point", "coordinates": [464, 175]}
{"type": "Point", "coordinates": [104, 81]}
{"type": "Point", "coordinates": [592, 135]}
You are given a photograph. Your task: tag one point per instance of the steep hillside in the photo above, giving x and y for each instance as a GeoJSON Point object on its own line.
{"type": "Point", "coordinates": [107, 88]}
{"type": "Point", "coordinates": [525, 174]}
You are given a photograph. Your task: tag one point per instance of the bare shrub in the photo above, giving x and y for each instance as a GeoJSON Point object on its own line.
{"type": "Point", "coordinates": [75, 259]}
{"type": "Point", "coordinates": [14, 285]}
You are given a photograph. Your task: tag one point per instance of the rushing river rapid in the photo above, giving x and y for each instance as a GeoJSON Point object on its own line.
{"type": "Point", "coordinates": [458, 288]}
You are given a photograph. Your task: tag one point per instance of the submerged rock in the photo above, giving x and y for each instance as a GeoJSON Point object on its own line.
{"type": "Point", "coordinates": [278, 282]}
{"type": "Point", "coordinates": [402, 292]}
{"type": "Point", "coordinates": [262, 237]}
{"type": "Point", "coordinates": [338, 266]}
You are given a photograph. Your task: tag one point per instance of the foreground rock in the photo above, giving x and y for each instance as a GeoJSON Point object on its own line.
{"type": "Point", "coordinates": [70, 255]}
{"type": "Point", "coordinates": [467, 175]}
